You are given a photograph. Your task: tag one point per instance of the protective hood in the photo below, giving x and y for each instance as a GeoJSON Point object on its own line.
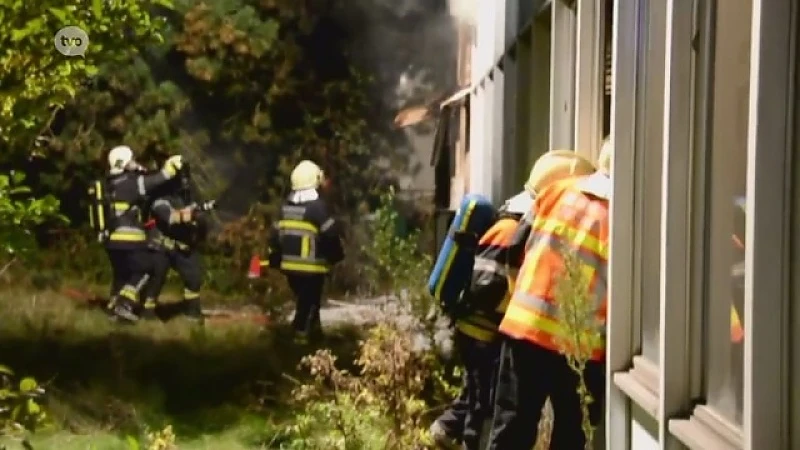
{"type": "Point", "coordinates": [519, 204]}
{"type": "Point", "coordinates": [303, 196]}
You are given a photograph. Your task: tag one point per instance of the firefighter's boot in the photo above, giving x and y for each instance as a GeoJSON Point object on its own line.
{"type": "Point", "coordinates": [123, 310]}
{"type": "Point", "coordinates": [192, 310]}
{"type": "Point", "coordinates": [149, 309]}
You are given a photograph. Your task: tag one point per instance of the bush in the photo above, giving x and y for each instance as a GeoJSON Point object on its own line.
{"type": "Point", "coordinates": [20, 411]}
{"type": "Point", "coordinates": [20, 214]}
{"type": "Point", "coordinates": [380, 407]}
{"type": "Point", "coordinates": [580, 325]}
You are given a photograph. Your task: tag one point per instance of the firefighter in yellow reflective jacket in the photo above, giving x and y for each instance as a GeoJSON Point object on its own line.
{"type": "Point", "coordinates": [484, 304]}
{"type": "Point", "coordinates": [126, 243]}
{"type": "Point", "coordinates": [304, 244]}
{"type": "Point", "coordinates": [569, 216]}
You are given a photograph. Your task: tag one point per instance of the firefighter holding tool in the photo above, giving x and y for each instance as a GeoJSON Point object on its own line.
{"type": "Point", "coordinates": [484, 302]}
{"type": "Point", "coordinates": [304, 244]}
{"type": "Point", "coordinates": [116, 215]}
{"type": "Point", "coordinates": [174, 240]}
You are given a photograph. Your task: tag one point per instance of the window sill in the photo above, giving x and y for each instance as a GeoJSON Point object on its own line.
{"type": "Point", "coordinates": [707, 430]}
{"type": "Point", "coordinates": [640, 384]}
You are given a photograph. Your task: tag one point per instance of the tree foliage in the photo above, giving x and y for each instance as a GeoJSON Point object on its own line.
{"type": "Point", "coordinates": [20, 410]}
{"type": "Point", "coordinates": [20, 214]}
{"type": "Point", "coordinates": [36, 80]}
{"type": "Point", "coordinates": [243, 88]}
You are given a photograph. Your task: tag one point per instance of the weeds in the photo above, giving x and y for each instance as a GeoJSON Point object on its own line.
{"type": "Point", "coordinates": [380, 407]}
{"type": "Point", "coordinates": [20, 411]}
{"type": "Point", "coordinates": [577, 313]}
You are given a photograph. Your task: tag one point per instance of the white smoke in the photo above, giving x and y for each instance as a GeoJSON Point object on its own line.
{"type": "Point", "coordinates": [464, 11]}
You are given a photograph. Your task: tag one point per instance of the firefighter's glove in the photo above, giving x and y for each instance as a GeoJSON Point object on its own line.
{"type": "Point", "coordinates": [207, 206]}
{"type": "Point", "coordinates": [173, 165]}
{"type": "Point", "coordinates": [186, 215]}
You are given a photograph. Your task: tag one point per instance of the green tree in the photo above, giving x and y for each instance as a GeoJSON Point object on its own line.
{"type": "Point", "coordinates": [36, 80]}
{"type": "Point", "coordinates": [243, 88]}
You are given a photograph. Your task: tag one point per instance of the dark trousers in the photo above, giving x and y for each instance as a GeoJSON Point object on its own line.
{"type": "Point", "coordinates": [528, 375]}
{"type": "Point", "coordinates": [188, 264]}
{"type": "Point", "coordinates": [129, 267]}
{"type": "Point", "coordinates": [480, 364]}
{"type": "Point", "coordinates": [452, 419]}
{"type": "Point", "coordinates": [307, 289]}
{"type": "Point", "coordinates": [464, 420]}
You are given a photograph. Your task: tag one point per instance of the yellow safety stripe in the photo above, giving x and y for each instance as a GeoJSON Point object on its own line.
{"type": "Point", "coordinates": [475, 332]}
{"type": "Point", "coordinates": [170, 243]}
{"type": "Point", "coordinates": [297, 225]}
{"type": "Point", "coordinates": [120, 206]}
{"type": "Point", "coordinates": [503, 306]}
{"type": "Point", "coordinates": [449, 261]}
{"type": "Point", "coordinates": [303, 267]}
{"type": "Point", "coordinates": [189, 294]}
{"type": "Point", "coordinates": [128, 292]}
{"type": "Point", "coordinates": [149, 304]}
{"type": "Point", "coordinates": [568, 232]}
{"type": "Point", "coordinates": [126, 236]}
{"type": "Point", "coordinates": [541, 322]}
{"type": "Point", "coordinates": [305, 247]}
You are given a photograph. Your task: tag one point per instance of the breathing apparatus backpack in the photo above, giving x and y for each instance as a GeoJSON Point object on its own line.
{"type": "Point", "coordinates": [452, 272]}
{"type": "Point", "coordinates": [101, 213]}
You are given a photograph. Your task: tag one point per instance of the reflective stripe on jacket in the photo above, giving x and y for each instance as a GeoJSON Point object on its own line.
{"type": "Point", "coordinates": [305, 239]}
{"type": "Point", "coordinates": [488, 290]}
{"type": "Point", "coordinates": [127, 193]}
{"type": "Point", "coordinates": [571, 216]}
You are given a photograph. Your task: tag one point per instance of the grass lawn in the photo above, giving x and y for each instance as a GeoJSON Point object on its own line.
{"type": "Point", "coordinates": [220, 386]}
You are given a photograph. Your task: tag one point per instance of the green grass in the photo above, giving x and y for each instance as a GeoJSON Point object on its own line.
{"type": "Point", "coordinates": [220, 386]}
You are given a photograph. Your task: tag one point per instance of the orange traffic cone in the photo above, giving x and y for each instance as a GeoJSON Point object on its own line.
{"type": "Point", "coordinates": [255, 268]}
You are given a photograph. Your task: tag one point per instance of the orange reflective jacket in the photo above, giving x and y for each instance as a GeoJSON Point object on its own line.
{"type": "Point", "coordinates": [569, 215]}
{"type": "Point", "coordinates": [488, 289]}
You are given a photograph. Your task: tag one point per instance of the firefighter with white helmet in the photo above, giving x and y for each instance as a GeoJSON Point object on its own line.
{"type": "Point", "coordinates": [305, 243]}
{"type": "Point", "coordinates": [125, 239]}
{"type": "Point", "coordinates": [477, 336]}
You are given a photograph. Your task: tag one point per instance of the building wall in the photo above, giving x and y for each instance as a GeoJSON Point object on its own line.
{"type": "Point", "coordinates": [701, 113]}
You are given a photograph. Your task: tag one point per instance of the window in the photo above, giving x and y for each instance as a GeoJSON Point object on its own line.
{"type": "Point", "coordinates": [562, 76]}
{"type": "Point", "coordinates": [649, 134]}
{"type": "Point", "coordinates": [533, 94]}
{"type": "Point", "coordinates": [726, 212]}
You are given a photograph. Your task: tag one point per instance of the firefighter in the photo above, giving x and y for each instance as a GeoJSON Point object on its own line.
{"type": "Point", "coordinates": [126, 244]}
{"type": "Point", "coordinates": [173, 243]}
{"type": "Point", "coordinates": [304, 245]}
{"type": "Point", "coordinates": [476, 334]}
{"type": "Point", "coordinates": [572, 215]}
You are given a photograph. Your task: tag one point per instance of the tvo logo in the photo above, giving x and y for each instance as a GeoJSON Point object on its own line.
{"type": "Point", "coordinates": [71, 41]}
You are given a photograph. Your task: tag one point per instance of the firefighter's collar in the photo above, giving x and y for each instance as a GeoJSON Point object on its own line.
{"type": "Point", "coordinates": [303, 196]}
{"type": "Point", "coordinates": [597, 184]}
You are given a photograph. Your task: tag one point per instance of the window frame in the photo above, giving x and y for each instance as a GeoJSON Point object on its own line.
{"type": "Point", "coordinates": [589, 77]}
{"type": "Point", "coordinates": [765, 320]}
{"type": "Point", "coordinates": [620, 319]}
{"type": "Point", "coordinates": [633, 375]}
{"type": "Point", "coordinates": [562, 75]}
{"type": "Point", "coordinates": [678, 186]}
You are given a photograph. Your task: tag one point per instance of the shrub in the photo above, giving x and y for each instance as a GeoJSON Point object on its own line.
{"type": "Point", "coordinates": [577, 315]}
{"type": "Point", "coordinates": [20, 214]}
{"type": "Point", "coordinates": [380, 407]}
{"type": "Point", "coordinates": [20, 411]}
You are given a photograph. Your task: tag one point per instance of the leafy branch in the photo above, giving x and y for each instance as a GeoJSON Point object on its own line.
{"type": "Point", "coordinates": [580, 328]}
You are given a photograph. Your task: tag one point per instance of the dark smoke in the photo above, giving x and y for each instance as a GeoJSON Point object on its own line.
{"type": "Point", "coordinates": [410, 46]}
